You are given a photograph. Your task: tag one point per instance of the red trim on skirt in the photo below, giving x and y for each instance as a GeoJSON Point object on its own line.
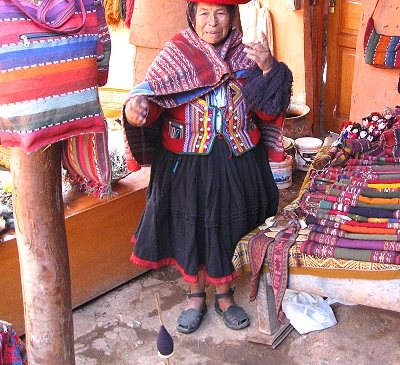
{"type": "Point", "coordinates": [188, 278]}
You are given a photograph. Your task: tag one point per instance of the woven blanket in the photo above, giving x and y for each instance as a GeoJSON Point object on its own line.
{"type": "Point", "coordinates": [301, 263]}
{"type": "Point", "coordinates": [332, 214]}
{"type": "Point", "coordinates": [277, 255]}
{"type": "Point", "coordinates": [368, 244]}
{"type": "Point", "coordinates": [371, 160]}
{"type": "Point", "coordinates": [345, 223]}
{"type": "Point", "coordinates": [317, 249]}
{"type": "Point", "coordinates": [390, 142]}
{"type": "Point", "coordinates": [258, 246]}
{"type": "Point", "coordinates": [187, 63]}
{"type": "Point", "coordinates": [363, 211]}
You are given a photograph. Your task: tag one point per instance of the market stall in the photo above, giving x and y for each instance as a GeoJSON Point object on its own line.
{"type": "Point", "coordinates": [338, 239]}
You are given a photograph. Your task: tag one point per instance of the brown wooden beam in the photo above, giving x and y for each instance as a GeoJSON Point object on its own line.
{"type": "Point", "coordinates": [43, 255]}
{"type": "Point", "coordinates": [313, 36]}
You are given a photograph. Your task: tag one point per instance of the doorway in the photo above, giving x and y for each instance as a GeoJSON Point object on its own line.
{"type": "Point", "coordinates": [343, 22]}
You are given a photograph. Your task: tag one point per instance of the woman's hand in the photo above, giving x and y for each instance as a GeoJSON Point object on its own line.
{"type": "Point", "coordinates": [260, 53]}
{"type": "Point", "coordinates": [136, 110]}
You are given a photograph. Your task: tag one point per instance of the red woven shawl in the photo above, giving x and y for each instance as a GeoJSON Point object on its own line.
{"type": "Point", "coordinates": [187, 63]}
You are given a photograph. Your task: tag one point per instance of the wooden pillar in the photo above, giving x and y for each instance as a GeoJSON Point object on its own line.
{"type": "Point", "coordinates": [43, 255]}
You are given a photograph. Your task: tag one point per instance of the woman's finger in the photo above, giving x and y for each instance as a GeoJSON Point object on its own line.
{"type": "Point", "coordinates": [264, 40]}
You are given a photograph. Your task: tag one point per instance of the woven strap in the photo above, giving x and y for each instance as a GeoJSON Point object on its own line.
{"type": "Point", "coordinates": [228, 294]}
{"type": "Point", "coordinates": [62, 17]}
{"type": "Point", "coordinates": [195, 295]}
{"type": "Point", "coordinates": [376, 5]}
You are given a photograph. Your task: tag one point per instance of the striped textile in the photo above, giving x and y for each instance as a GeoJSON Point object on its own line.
{"type": "Point", "coordinates": [381, 50]}
{"type": "Point", "coordinates": [390, 140]}
{"type": "Point", "coordinates": [321, 250]}
{"type": "Point", "coordinates": [187, 63]}
{"type": "Point", "coordinates": [49, 80]}
{"type": "Point", "coordinates": [86, 159]}
{"type": "Point", "coordinates": [12, 349]}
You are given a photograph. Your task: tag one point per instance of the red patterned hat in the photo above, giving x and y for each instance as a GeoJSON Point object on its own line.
{"type": "Point", "coordinates": [224, 2]}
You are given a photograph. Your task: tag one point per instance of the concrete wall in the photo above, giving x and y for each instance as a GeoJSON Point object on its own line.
{"type": "Point", "coordinates": [375, 88]}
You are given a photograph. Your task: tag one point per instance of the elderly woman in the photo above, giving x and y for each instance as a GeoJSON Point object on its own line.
{"type": "Point", "coordinates": [210, 97]}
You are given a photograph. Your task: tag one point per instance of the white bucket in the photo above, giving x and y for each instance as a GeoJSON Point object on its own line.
{"type": "Point", "coordinates": [288, 144]}
{"type": "Point", "coordinates": [306, 150]}
{"type": "Point", "coordinates": [282, 172]}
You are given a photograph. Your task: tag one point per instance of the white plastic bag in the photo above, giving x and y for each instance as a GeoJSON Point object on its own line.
{"type": "Point", "coordinates": [308, 312]}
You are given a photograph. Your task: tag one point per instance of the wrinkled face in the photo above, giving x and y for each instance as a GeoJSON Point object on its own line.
{"type": "Point", "coordinates": [212, 23]}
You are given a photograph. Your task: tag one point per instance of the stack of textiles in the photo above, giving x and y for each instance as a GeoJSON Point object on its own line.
{"type": "Point", "coordinates": [353, 212]}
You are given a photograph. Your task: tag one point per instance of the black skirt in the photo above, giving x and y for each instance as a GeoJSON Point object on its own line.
{"type": "Point", "coordinates": [199, 206]}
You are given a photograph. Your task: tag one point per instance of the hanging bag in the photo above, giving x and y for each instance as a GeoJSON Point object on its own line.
{"type": "Point", "coordinates": [52, 58]}
{"type": "Point", "coordinates": [380, 50]}
{"type": "Point", "coordinates": [64, 14]}
{"type": "Point", "coordinates": [12, 349]}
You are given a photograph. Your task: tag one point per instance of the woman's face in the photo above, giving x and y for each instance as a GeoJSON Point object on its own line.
{"type": "Point", "coordinates": [212, 23]}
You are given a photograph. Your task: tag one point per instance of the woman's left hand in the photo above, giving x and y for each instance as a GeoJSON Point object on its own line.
{"type": "Point", "coordinates": [260, 53]}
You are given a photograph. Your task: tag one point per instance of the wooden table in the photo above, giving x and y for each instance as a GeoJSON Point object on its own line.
{"type": "Point", "coordinates": [99, 243]}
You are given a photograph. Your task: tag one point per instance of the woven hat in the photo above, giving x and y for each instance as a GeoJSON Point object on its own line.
{"type": "Point", "coordinates": [224, 2]}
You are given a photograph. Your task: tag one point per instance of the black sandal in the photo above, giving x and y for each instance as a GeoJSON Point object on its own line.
{"type": "Point", "coordinates": [190, 319]}
{"type": "Point", "coordinates": [235, 317]}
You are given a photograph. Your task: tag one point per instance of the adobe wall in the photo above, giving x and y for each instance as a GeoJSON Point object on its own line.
{"type": "Point", "coordinates": [375, 88]}
{"type": "Point", "coordinates": [154, 22]}
{"type": "Point", "coordinates": [288, 32]}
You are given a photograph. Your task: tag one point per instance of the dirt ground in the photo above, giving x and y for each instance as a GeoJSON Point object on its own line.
{"type": "Point", "coordinates": [121, 328]}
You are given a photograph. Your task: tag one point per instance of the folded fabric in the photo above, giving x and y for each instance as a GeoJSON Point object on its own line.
{"type": "Point", "coordinates": [351, 148]}
{"type": "Point", "coordinates": [360, 210]}
{"type": "Point", "coordinates": [372, 160]}
{"type": "Point", "coordinates": [317, 249]}
{"type": "Point", "coordinates": [361, 201]}
{"type": "Point", "coordinates": [333, 214]}
{"type": "Point", "coordinates": [390, 141]}
{"type": "Point", "coordinates": [358, 189]}
{"type": "Point", "coordinates": [330, 240]}
{"type": "Point", "coordinates": [345, 223]}
{"type": "Point", "coordinates": [352, 235]}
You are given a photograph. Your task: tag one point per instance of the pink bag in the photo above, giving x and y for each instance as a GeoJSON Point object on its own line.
{"type": "Point", "coordinates": [12, 349]}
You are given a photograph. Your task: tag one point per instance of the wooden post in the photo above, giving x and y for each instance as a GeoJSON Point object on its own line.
{"type": "Point", "coordinates": [43, 255]}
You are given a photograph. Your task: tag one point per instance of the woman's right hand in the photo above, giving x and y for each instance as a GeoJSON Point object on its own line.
{"type": "Point", "coordinates": [136, 110]}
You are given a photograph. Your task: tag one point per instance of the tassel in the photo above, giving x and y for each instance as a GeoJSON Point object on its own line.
{"type": "Point", "coordinates": [112, 13]}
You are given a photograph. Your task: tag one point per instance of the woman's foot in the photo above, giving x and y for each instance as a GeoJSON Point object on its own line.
{"type": "Point", "coordinates": [234, 316]}
{"type": "Point", "coordinates": [190, 319]}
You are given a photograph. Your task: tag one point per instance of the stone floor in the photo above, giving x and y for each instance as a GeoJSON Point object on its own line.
{"type": "Point", "coordinates": [121, 328]}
